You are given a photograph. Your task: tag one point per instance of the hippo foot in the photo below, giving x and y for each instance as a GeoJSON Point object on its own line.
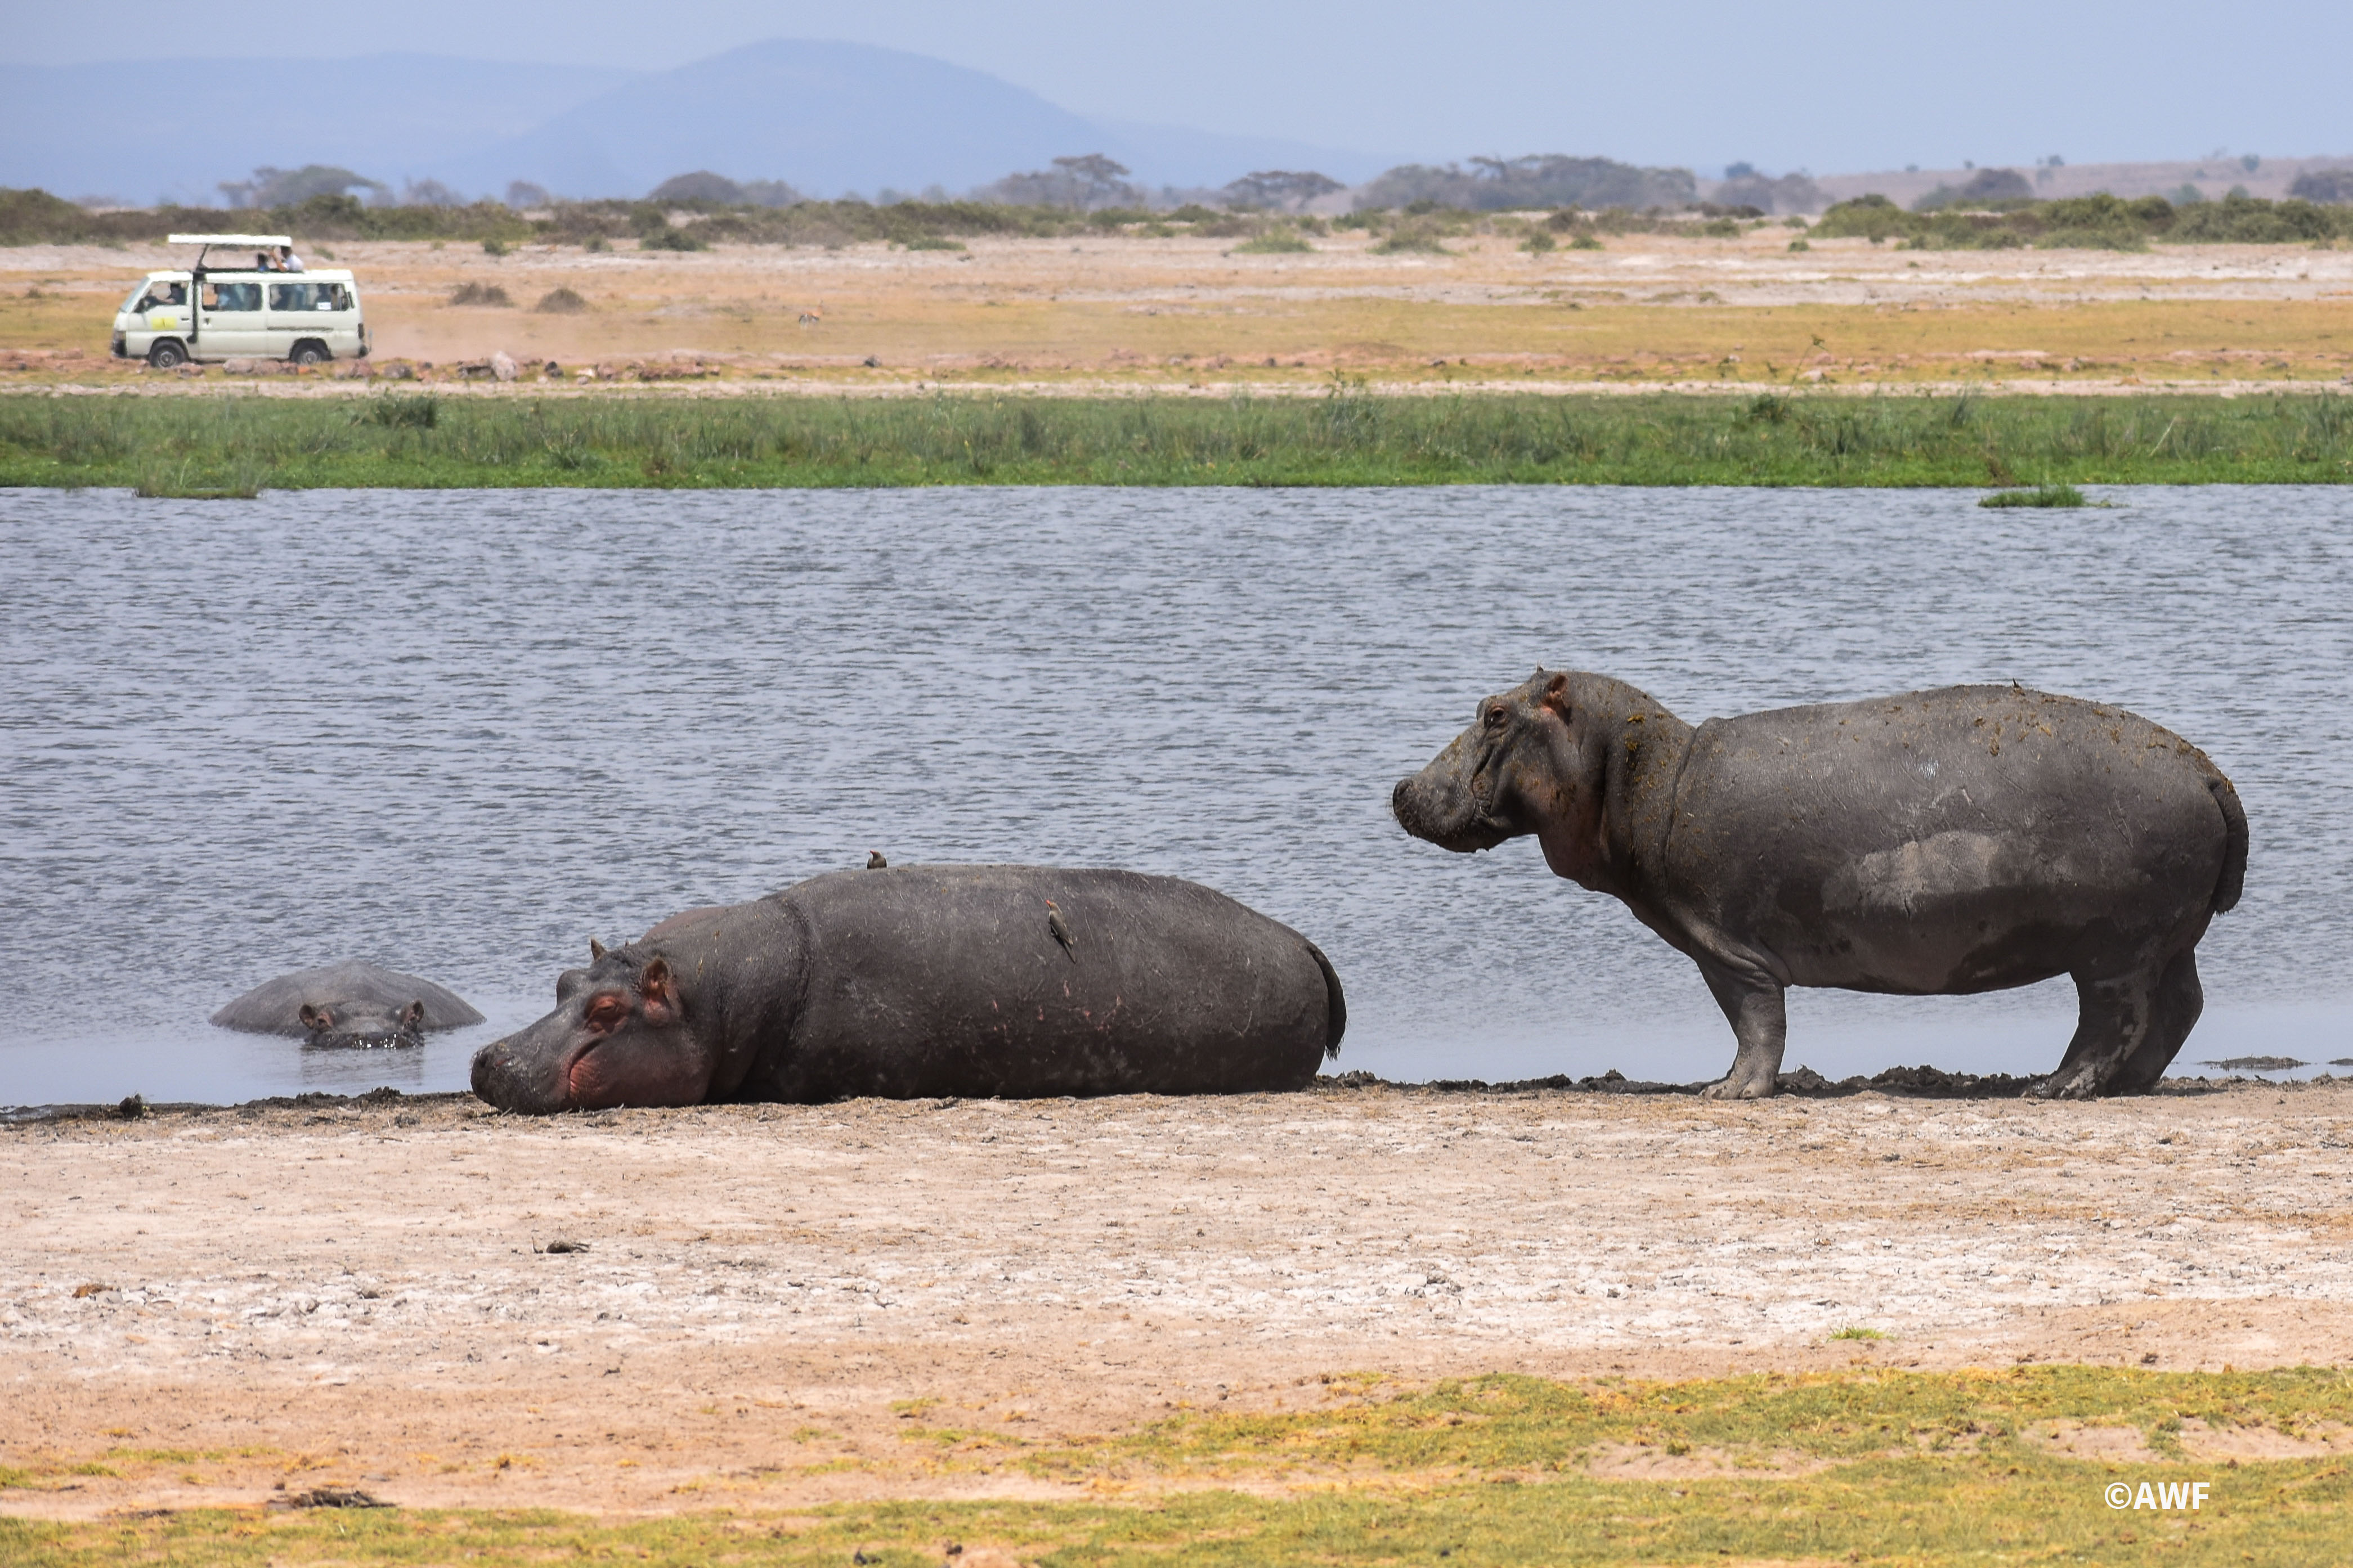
{"type": "Point", "coordinates": [1736, 1086]}
{"type": "Point", "coordinates": [2067, 1083]}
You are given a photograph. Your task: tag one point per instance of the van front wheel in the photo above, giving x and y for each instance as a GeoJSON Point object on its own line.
{"type": "Point", "coordinates": [310, 351]}
{"type": "Point", "coordinates": [167, 354]}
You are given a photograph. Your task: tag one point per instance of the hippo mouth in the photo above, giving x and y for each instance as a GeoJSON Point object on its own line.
{"type": "Point", "coordinates": [569, 1072]}
{"type": "Point", "coordinates": [1455, 811]}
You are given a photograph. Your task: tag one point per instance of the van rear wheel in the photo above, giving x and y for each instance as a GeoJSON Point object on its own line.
{"type": "Point", "coordinates": [310, 351]}
{"type": "Point", "coordinates": [167, 353]}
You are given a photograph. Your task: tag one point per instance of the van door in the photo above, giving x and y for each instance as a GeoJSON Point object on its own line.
{"type": "Point", "coordinates": [229, 320]}
{"type": "Point", "coordinates": [299, 311]}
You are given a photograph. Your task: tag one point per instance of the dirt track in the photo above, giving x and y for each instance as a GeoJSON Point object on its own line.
{"type": "Point", "coordinates": [353, 1295]}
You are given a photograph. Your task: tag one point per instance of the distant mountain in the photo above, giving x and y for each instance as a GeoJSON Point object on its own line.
{"type": "Point", "coordinates": [827, 118]}
{"type": "Point", "coordinates": [832, 118]}
{"type": "Point", "coordinates": [139, 130]}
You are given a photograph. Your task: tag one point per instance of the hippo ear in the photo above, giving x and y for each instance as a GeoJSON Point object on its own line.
{"type": "Point", "coordinates": [1555, 693]}
{"type": "Point", "coordinates": [596, 950]}
{"type": "Point", "coordinates": [659, 987]}
{"type": "Point", "coordinates": [315, 1017]}
{"type": "Point", "coordinates": [415, 1016]}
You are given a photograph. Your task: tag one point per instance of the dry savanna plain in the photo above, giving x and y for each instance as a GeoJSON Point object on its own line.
{"type": "Point", "coordinates": [1361, 1323]}
{"type": "Point", "coordinates": [1129, 314]}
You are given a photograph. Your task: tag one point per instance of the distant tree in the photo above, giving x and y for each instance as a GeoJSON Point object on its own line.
{"type": "Point", "coordinates": [2329, 185]}
{"type": "Point", "coordinates": [1281, 188]}
{"type": "Point", "coordinates": [771, 193]}
{"type": "Point", "coordinates": [1086, 181]}
{"type": "Point", "coordinates": [1544, 180]}
{"type": "Point", "coordinates": [701, 187]}
{"type": "Point", "coordinates": [1789, 193]}
{"type": "Point", "coordinates": [1738, 171]}
{"type": "Point", "coordinates": [429, 194]}
{"type": "Point", "coordinates": [1986, 188]}
{"type": "Point", "coordinates": [271, 187]}
{"type": "Point", "coordinates": [523, 193]}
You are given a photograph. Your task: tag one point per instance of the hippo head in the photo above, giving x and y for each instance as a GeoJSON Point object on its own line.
{"type": "Point", "coordinates": [348, 1024]}
{"type": "Point", "coordinates": [1527, 764]}
{"type": "Point", "coordinates": [619, 1036]}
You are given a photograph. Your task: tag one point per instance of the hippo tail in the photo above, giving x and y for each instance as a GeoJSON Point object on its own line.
{"type": "Point", "coordinates": [2233, 879]}
{"type": "Point", "coordinates": [1335, 1008]}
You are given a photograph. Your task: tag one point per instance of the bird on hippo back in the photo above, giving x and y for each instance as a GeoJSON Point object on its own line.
{"type": "Point", "coordinates": [904, 982]}
{"type": "Point", "coordinates": [1934, 843]}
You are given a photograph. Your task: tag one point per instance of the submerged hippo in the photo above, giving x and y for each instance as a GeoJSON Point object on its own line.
{"type": "Point", "coordinates": [349, 1003]}
{"type": "Point", "coordinates": [933, 980]}
{"type": "Point", "coordinates": [1930, 844]}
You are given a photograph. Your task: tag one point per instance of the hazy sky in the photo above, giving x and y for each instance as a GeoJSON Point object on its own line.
{"type": "Point", "coordinates": [1828, 85]}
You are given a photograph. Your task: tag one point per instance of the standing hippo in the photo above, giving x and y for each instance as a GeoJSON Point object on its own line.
{"type": "Point", "coordinates": [933, 980]}
{"type": "Point", "coordinates": [1934, 843]}
{"type": "Point", "coordinates": [350, 1003]}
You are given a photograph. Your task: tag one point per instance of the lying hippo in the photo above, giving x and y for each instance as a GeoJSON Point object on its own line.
{"type": "Point", "coordinates": [349, 1003]}
{"type": "Point", "coordinates": [933, 980]}
{"type": "Point", "coordinates": [1931, 843]}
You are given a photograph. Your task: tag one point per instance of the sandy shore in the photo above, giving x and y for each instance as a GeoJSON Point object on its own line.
{"type": "Point", "coordinates": [229, 1302]}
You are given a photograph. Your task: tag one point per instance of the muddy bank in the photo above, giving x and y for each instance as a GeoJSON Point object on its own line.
{"type": "Point", "coordinates": [347, 1293]}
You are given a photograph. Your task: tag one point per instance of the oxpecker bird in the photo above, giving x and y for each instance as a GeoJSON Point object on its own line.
{"type": "Point", "coordinates": [1061, 930]}
{"type": "Point", "coordinates": [874, 862]}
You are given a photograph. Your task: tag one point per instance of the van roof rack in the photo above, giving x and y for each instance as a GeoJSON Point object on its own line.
{"type": "Point", "coordinates": [231, 240]}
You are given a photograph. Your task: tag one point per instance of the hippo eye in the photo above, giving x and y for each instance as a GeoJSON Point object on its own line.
{"type": "Point", "coordinates": [1495, 717]}
{"type": "Point", "coordinates": [606, 1011]}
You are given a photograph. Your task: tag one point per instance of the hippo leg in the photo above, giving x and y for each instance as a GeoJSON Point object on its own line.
{"type": "Point", "coordinates": [2115, 1020]}
{"type": "Point", "coordinates": [2179, 999]}
{"type": "Point", "coordinates": [1754, 1006]}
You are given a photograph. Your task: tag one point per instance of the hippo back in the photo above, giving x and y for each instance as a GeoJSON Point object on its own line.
{"type": "Point", "coordinates": [951, 979]}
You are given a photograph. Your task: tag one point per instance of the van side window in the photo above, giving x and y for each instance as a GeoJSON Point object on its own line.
{"type": "Point", "coordinates": [309, 297]}
{"type": "Point", "coordinates": [233, 296]}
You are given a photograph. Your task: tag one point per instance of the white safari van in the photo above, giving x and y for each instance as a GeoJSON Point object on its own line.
{"type": "Point", "coordinates": [240, 310]}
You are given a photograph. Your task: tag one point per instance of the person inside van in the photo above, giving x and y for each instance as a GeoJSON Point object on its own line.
{"type": "Point", "coordinates": [163, 297]}
{"type": "Point", "coordinates": [263, 261]}
{"type": "Point", "coordinates": [286, 260]}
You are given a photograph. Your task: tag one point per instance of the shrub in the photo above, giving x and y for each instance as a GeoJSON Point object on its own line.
{"type": "Point", "coordinates": [1411, 238]}
{"type": "Point", "coordinates": [673, 239]}
{"type": "Point", "coordinates": [560, 301]}
{"type": "Point", "coordinates": [934, 242]}
{"type": "Point", "coordinates": [1273, 242]}
{"type": "Point", "coordinates": [478, 294]}
{"type": "Point", "coordinates": [1585, 242]}
{"type": "Point", "coordinates": [494, 245]}
{"type": "Point", "coordinates": [1538, 243]}
{"type": "Point", "coordinates": [1872, 217]}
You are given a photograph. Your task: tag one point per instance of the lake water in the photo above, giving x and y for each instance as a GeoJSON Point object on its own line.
{"type": "Point", "coordinates": [460, 733]}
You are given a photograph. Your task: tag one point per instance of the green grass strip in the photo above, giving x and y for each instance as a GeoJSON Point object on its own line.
{"type": "Point", "coordinates": [1864, 1465]}
{"type": "Point", "coordinates": [1968, 1510]}
{"type": "Point", "coordinates": [204, 446]}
